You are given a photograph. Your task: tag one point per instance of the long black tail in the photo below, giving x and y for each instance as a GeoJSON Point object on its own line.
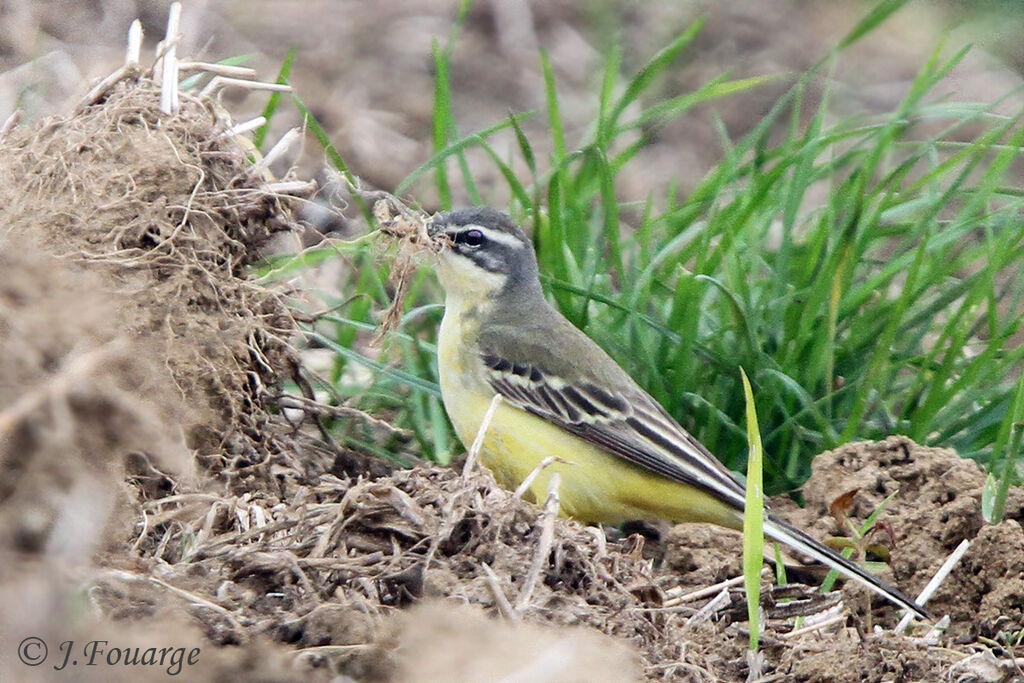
{"type": "Point", "coordinates": [784, 533]}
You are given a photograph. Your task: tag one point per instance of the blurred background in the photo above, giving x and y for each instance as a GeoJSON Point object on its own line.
{"type": "Point", "coordinates": [366, 71]}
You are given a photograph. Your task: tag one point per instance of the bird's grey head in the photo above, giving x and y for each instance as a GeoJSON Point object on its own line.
{"type": "Point", "coordinates": [489, 253]}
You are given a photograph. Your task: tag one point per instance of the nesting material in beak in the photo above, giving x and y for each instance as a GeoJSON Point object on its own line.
{"type": "Point", "coordinates": [416, 235]}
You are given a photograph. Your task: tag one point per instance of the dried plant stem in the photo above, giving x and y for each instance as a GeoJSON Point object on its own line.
{"type": "Point", "coordinates": [601, 540]}
{"type": "Point", "coordinates": [934, 584]}
{"type": "Point", "coordinates": [218, 69]}
{"type": "Point", "coordinates": [313, 407]}
{"type": "Point", "coordinates": [243, 127]}
{"type": "Point", "coordinates": [708, 610]}
{"type": "Point", "coordinates": [504, 606]}
{"type": "Point", "coordinates": [133, 52]}
{"type": "Point", "coordinates": [532, 476]}
{"type": "Point", "coordinates": [818, 626]}
{"type": "Point", "coordinates": [704, 592]}
{"type": "Point", "coordinates": [13, 120]}
{"type": "Point", "coordinates": [169, 103]}
{"type": "Point", "coordinates": [198, 600]}
{"type": "Point", "coordinates": [547, 537]}
{"type": "Point", "coordinates": [100, 90]}
{"type": "Point", "coordinates": [294, 188]}
{"type": "Point", "coordinates": [281, 148]}
{"type": "Point", "coordinates": [218, 82]}
{"type": "Point", "coordinates": [936, 631]}
{"type": "Point", "coordinates": [130, 69]}
{"type": "Point", "coordinates": [478, 442]}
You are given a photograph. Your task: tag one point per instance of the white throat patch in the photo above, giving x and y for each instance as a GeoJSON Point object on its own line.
{"type": "Point", "coordinates": [459, 274]}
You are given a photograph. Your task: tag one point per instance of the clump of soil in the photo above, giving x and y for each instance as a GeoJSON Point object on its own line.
{"type": "Point", "coordinates": [75, 398]}
{"type": "Point", "coordinates": [937, 506]}
{"type": "Point", "coordinates": [851, 657]}
{"type": "Point", "coordinates": [351, 555]}
{"type": "Point", "coordinates": [129, 336]}
{"type": "Point", "coordinates": [701, 554]}
{"type": "Point", "coordinates": [167, 211]}
{"type": "Point", "coordinates": [440, 643]}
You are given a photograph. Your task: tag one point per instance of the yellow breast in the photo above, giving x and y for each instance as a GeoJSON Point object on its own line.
{"type": "Point", "coordinates": [596, 485]}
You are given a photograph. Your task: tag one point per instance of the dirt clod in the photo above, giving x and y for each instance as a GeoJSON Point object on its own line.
{"type": "Point", "coordinates": [938, 505]}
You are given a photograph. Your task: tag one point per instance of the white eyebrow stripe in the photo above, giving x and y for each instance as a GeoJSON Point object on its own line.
{"type": "Point", "coordinates": [497, 236]}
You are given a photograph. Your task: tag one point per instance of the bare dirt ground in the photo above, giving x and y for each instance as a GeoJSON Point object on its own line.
{"type": "Point", "coordinates": [155, 494]}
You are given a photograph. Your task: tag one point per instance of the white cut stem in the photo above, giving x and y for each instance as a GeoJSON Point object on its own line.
{"type": "Point", "coordinates": [755, 666]}
{"type": "Point", "coordinates": [838, 619]}
{"type": "Point", "coordinates": [218, 69]}
{"type": "Point", "coordinates": [936, 631]}
{"type": "Point", "coordinates": [602, 541]}
{"type": "Point", "coordinates": [293, 187]}
{"type": "Point", "coordinates": [547, 538]}
{"type": "Point", "coordinates": [158, 63]}
{"type": "Point", "coordinates": [103, 87]}
{"type": "Point", "coordinates": [169, 74]}
{"type": "Point", "coordinates": [244, 127]}
{"type": "Point", "coordinates": [134, 49]}
{"type": "Point", "coordinates": [278, 150]}
{"type": "Point", "coordinates": [218, 82]}
{"type": "Point", "coordinates": [704, 592]}
{"type": "Point", "coordinates": [478, 442]}
{"type": "Point", "coordinates": [934, 584]}
{"type": "Point", "coordinates": [504, 606]}
{"type": "Point", "coordinates": [13, 120]}
{"type": "Point", "coordinates": [532, 476]}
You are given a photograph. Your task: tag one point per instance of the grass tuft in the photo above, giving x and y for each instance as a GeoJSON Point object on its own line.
{"type": "Point", "coordinates": [865, 271]}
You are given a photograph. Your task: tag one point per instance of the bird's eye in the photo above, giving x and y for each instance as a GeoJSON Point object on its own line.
{"type": "Point", "coordinates": [471, 238]}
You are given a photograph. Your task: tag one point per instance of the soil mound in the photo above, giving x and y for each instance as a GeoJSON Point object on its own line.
{"type": "Point", "coordinates": [937, 505]}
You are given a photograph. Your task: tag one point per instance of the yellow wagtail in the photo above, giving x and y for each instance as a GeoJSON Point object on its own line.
{"type": "Point", "coordinates": [620, 455]}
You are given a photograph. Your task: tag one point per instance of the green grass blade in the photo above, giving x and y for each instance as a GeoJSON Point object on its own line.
{"type": "Point", "coordinates": [260, 136]}
{"type": "Point", "coordinates": [554, 110]}
{"type": "Point", "coordinates": [1007, 451]}
{"type": "Point", "coordinates": [878, 14]}
{"type": "Point", "coordinates": [402, 376]}
{"type": "Point", "coordinates": [753, 518]}
{"type": "Point", "coordinates": [442, 124]}
{"type": "Point", "coordinates": [454, 148]}
{"type": "Point", "coordinates": [652, 69]}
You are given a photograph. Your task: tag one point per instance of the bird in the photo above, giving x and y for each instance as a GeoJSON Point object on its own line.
{"type": "Point", "coordinates": [620, 455]}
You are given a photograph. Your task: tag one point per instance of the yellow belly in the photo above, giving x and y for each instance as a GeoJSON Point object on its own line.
{"type": "Point", "coordinates": [596, 485]}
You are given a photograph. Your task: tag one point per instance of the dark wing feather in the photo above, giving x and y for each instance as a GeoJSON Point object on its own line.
{"type": "Point", "coordinates": [630, 425]}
